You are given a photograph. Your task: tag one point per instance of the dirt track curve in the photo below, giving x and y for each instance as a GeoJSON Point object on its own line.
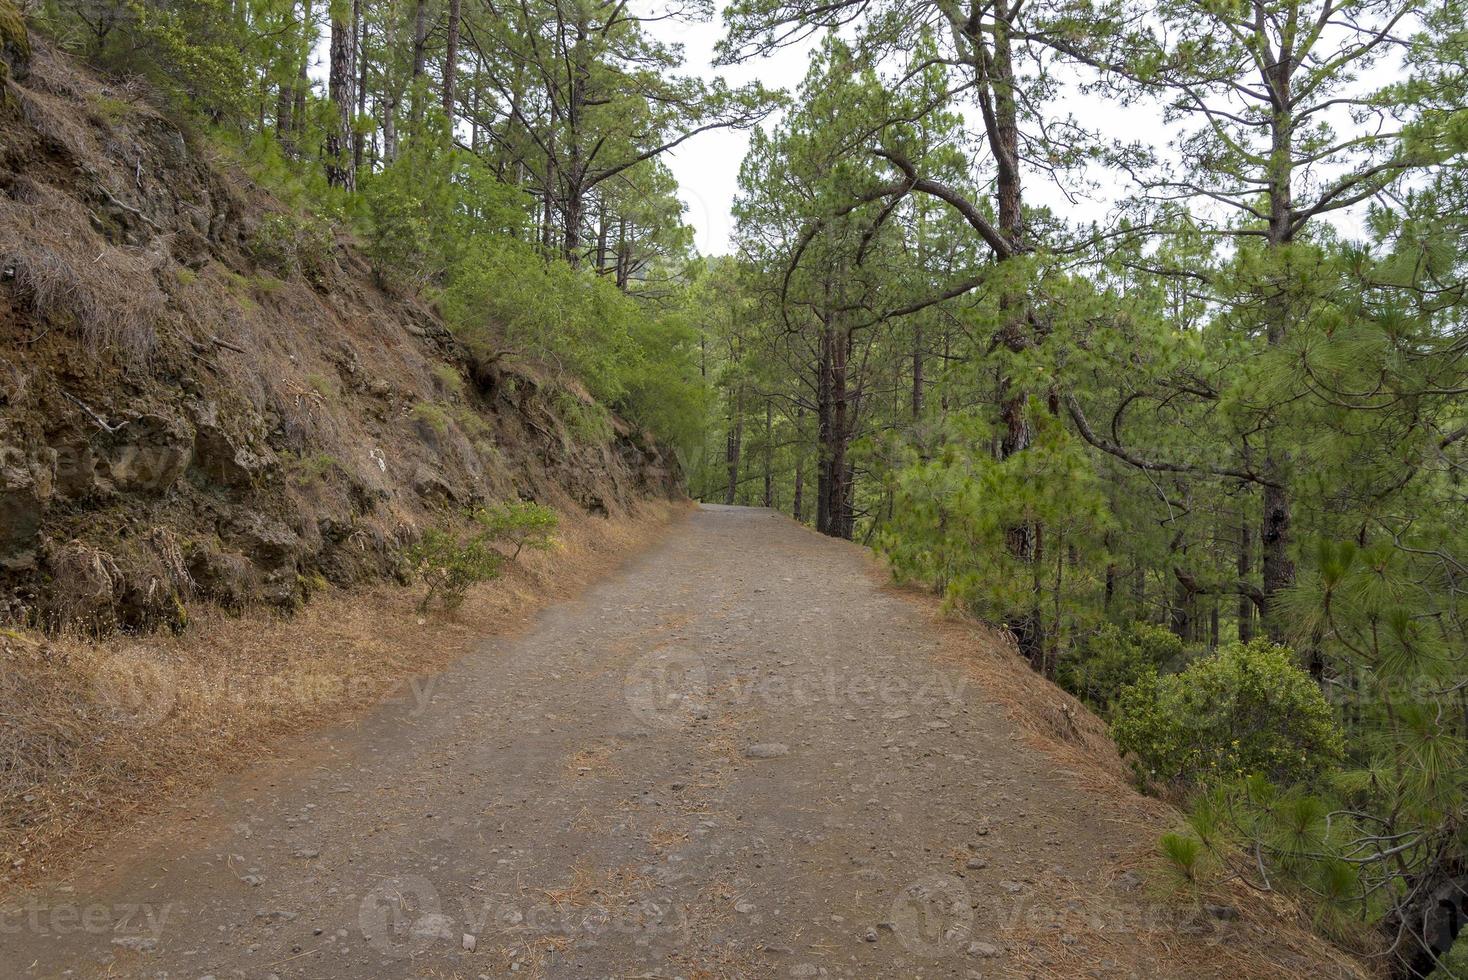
{"type": "Point", "coordinates": [739, 756]}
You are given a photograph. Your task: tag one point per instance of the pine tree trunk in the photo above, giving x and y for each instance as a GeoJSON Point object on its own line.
{"type": "Point", "coordinates": [359, 31]}
{"type": "Point", "coordinates": [823, 432]}
{"type": "Point", "coordinates": [420, 57]}
{"type": "Point", "coordinates": [1274, 532]}
{"type": "Point", "coordinates": [917, 369]}
{"type": "Point", "coordinates": [1245, 568]}
{"type": "Point", "coordinates": [798, 503]}
{"type": "Point", "coordinates": [769, 455]}
{"type": "Point", "coordinates": [451, 59]}
{"type": "Point", "coordinates": [732, 450]}
{"type": "Point", "coordinates": [303, 80]}
{"type": "Point", "coordinates": [339, 170]}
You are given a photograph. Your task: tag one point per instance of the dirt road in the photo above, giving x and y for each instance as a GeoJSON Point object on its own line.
{"type": "Point", "coordinates": [738, 756]}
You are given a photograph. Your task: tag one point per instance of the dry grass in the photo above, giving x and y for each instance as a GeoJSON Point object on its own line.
{"type": "Point", "coordinates": [96, 732]}
{"type": "Point", "coordinates": [108, 296]}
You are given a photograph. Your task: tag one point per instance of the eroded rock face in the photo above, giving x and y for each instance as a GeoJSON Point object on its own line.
{"type": "Point", "coordinates": [224, 458]}
{"type": "Point", "coordinates": [226, 578]}
{"type": "Point", "coordinates": [264, 540]}
{"type": "Point", "coordinates": [149, 453]}
{"type": "Point", "coordinates": [22, 505]}
{"type": "Point", "coordinates": [433, 488]}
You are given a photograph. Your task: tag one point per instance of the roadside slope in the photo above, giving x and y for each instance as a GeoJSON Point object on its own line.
{"type": "Point", "coordinates": [738, 756]}
{"type": "Point", "coordinates": [209, 408]}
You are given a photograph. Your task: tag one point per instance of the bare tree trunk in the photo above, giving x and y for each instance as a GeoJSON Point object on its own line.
{"type": "Point", "coordinates": [303, 80]}
{"type": "Point", "coordinates": [769, 455]}
{"type": "Point", "coordinates": [1246, 562]}
{"type": "Point", "coordinates": [823, 432]}
{"type": "Point", "coordinates": [798, 504]}
{"type": "Point", "coordinates": [917, 369]}
{"type": "Point", "coordinates": [420, 56]}
{"type": "Point", "coordinates": [451, 59]}
{"type": "Point", "coordinates": [732, 448]}
{"type": "Point", "coordinates": [359, 31]}
{"type": "Point", "coordinates": [339, 169]}
{"type": "Point", "coordinates": [1274, 532]}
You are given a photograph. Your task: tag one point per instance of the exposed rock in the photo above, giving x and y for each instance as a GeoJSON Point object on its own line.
{"type": "Point", "coordinates": [266, 541]}
{"type": "Point", "coordinates": [22, 504]}
{"type": "Point", "coordinates": [226, 578]}
{"type": "Point", "coordinates": [225, 459]}
{"type": "Point", "coordinates": [150, 452]}
{"type": "Point", "coordinates": [432, 487]}
{"type": "Point", "coordinates": [350, 554]}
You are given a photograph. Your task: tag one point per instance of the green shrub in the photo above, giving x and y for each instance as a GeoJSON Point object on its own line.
{"type": "Point", "coordinates": [450, 560]}
{"type": "Point", "coordinates": [520, 523]}
{"type": "Point", "coordinates": [324, 386]}
{"type": "Point", "coordinates": [1245, 710]}
{"type": "Point", "coordinates": [432, 416]}
{"type": "Point", "coordinates": [450, 564]}
{"type": "Point", "coordinates": [306, 470]}
{"type": "Point", "coordinates": [1112, 657]}
{"type": "Point", "coordinates": [587, 422]}
{"type": "Point", "coordinates": [450, 382]}
{"type": "Point", "coordinates": [289, 244]}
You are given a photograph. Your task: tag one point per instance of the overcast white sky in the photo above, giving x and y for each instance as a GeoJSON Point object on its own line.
{"type": "Point", "coordinates": [707, 166]}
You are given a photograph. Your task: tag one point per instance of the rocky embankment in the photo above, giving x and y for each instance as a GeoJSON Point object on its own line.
{"type": "Point", "coordinates": [205, 396]}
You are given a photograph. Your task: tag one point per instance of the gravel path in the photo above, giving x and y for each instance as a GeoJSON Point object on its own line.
{"type": "Point", "coordinates": [737, 756]}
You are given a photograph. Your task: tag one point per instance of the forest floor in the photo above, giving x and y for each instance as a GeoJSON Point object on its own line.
{"type": "Point", "coordinates": [741, 754]}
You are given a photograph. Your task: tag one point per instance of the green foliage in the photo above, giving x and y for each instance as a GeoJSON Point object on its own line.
{"type": "Point", "coordinates": [323, 386]}
{"type": "Point", "coordinates": [1113, 657]}
{"type": "Point", "coordinates": [521, 524]}
{"type": "Point", "coordinates": [450, 559]}
{"type": "Point", "coordinates": [433, 208]}
{"type": "Point", "coordinates": [1245, 710]}
{"type": "Point", "coordinates": [195, 51]}
{"type": "Point", "coordinates": [953, 519]}
{"type": "Point", "coordinates": [294, 245]}
{"type": "Point", "coordinates": [449, 381]}
{"type": "Point", "coordinates": [308, 469]}
{"type": "Point", "coordinates": [450, 563]}
{"type": "Point", "coordinates": [15, 42]}
{"type": "Point", "coordinates": [586, 421]}
{"type": "Point", "coordinates": [432, 415]}
{"type": "Point", "coordinates": [629, 354]}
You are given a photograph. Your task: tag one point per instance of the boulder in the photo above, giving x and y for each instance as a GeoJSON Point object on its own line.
{"type": "Point", "coordinates": [430, 485]}
{"type": "Point", "coordinates": [265, 541]}
{"type": "Point", "coordinates": [225, 577]}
